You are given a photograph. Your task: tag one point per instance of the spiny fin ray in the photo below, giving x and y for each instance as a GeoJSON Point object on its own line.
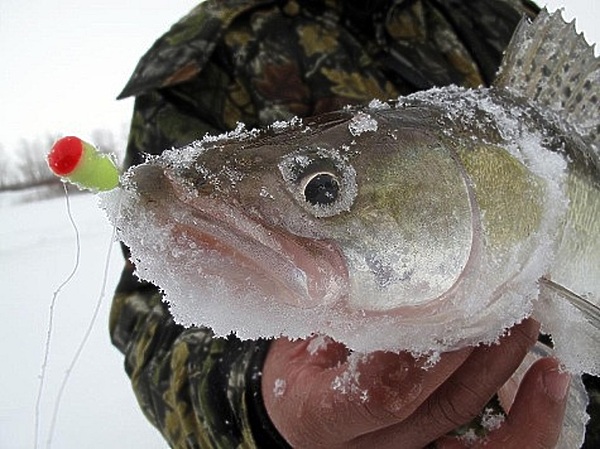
{"type": "Point", "coordinates": [549, 63]}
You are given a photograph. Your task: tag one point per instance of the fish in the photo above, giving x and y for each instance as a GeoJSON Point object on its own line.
{"type": "Point", "coordinates": [426, 223]}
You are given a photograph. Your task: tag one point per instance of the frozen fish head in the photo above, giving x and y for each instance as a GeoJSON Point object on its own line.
{"type": "Point", "coordinates": [316, 216]}
{"type": "Point", "coordinates": [424, 224]}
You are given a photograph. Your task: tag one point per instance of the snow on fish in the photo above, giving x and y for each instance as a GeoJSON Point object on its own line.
{"type": "Point", "coordinates": [426, 224]}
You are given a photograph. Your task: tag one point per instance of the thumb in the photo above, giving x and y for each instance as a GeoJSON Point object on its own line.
{"type": "Point", "coordinates": [535, 418]}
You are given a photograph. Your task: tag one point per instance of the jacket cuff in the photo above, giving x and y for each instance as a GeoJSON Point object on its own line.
{"type": "Point", "coordinates": [264, 431]}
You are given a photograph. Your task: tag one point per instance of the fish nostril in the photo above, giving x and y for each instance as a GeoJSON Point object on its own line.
{"type": "Point", "coordinates": [203, 187]}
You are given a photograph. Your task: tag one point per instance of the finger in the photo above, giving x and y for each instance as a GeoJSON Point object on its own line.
{"type": "Point", "coordinates": [535, 421]}
{"type": "Point", "coordinates": [447, 442]}
{"type": "Point", "coordinates": [285, 388]}
{"type": "Point", "coordinates": [394, 385]}
{"type": "Point", "coordinates": [478, 379]}
{"type": "Point", "coordinates": [382, 389]}
{"type": "Point", "coordinates": [329, 398]}
{"type": "Point", "coordinates": [536, 417]}
{"type": "Point", "coordinates": [463, 395]}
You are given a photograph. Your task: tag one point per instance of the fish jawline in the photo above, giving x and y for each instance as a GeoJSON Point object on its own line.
{"type": "Point", "coordinates": [298, 271]}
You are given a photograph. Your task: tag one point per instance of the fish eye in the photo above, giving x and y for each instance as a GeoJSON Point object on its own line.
{"type": "Point", "coordinates": [321, 188]}
{"type": "Point", "coordinates": [320, 180]}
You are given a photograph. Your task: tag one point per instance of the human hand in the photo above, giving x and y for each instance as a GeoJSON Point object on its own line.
{"type": "Point", "coordinates": [389, 401]}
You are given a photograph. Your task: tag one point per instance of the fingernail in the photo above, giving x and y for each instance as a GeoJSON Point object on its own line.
{"type": "Point", "coordinates": [556, 384]}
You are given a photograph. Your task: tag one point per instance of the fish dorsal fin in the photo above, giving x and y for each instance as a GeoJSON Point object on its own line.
{"type": "Point", "coordinates": [548, 62]}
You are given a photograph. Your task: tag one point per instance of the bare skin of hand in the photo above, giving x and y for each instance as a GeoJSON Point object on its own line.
{"type": "Point", "coordinates": [325, 398]}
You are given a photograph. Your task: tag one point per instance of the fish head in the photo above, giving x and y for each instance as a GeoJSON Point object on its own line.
{"type": "Point", "coordinates": [353, 209]}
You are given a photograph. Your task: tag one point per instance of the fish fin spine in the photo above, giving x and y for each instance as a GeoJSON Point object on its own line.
{"type": "Point", "coordinates": [550, 64]}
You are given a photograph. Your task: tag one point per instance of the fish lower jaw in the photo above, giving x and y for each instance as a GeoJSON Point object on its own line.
{"type": "Point", "coordinates": [287, 269]}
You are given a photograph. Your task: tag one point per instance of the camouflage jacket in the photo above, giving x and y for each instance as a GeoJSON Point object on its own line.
{"type": "Point", "coordinates": [257, 61]}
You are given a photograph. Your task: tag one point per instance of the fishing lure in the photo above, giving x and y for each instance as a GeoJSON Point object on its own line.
{"type": "Point", "coordinates": [81, 163]}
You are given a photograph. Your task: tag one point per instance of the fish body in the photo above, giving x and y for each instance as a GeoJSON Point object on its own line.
{"type": "Point", "coordinates": [426, 224]}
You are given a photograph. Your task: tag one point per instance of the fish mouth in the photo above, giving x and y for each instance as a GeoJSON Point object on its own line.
{"type": "Point", "coordinates": [249, 254]}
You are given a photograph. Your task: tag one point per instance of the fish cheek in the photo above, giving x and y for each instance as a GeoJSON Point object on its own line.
{"type": "Point", "coordinates": [266, 198]}
{"type": "Point", "coordinates": [410, 234]}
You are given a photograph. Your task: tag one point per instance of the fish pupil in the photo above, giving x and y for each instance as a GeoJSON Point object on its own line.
{"type": "Point", "coordinates": [322, 189]}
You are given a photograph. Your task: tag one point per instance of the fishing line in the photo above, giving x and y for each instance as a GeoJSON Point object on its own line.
{"type": "Point", "coordinates": [85, 338]}
{"type": "Point", "coordinates": [50, 326]}
{"type": "Point", "coordinates": [80, 163]}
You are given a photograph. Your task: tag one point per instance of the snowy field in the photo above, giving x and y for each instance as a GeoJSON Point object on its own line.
{"type": "Point", "coordinates": [37, 252]}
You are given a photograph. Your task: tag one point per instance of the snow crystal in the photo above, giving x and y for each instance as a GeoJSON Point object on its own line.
{"type": "Point", "coordinates": [279, 387]}
{"type": "Point", "coordinates": [281, 125]}
{"type": "Point", "coordinates": [264, 193]}
{"type": "Point", "coordinates": [318, 343]}
{"type": "Point", "coordinates": [362, 123]}
{"type": "Point", "coordinates": [491, 420]}
{"type": "Point", "coordinates": [470, 437]}
{"type": "Point", "coordinates": [376, 104]}
{"type": "Point", "coordinates": [576, 350]}
{"type": "Point", "coordinates": [240, 132]}
{"type": "Point", "coordinates": [347, 382]}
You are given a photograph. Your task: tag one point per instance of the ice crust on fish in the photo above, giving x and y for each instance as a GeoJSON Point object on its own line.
{"type": "Point", "coordinates": [493, 284]}
{"type": "Point", "coordinates": [362, 122]}
{"type": "Point", "coordinates": [198, 297]}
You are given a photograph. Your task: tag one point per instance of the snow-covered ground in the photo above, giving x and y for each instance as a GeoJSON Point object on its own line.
{"type": "Point", "coordinates": [37, 252]}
